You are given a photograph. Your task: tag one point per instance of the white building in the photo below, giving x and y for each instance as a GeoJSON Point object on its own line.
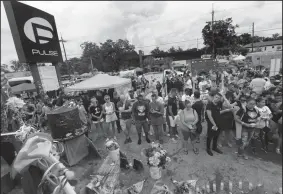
{"type": "Point", "coordinates": [269, 46]}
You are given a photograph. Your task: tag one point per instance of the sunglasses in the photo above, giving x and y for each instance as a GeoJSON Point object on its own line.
{"type": "Point", "coordinates": [107, 99]}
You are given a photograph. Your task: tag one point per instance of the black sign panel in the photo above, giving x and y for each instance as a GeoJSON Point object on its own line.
{"type": "Point", "coordinates": [34, 33]}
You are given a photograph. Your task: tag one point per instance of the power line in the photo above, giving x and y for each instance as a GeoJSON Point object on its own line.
{"type": "Point", "coordinates": [196, 39]}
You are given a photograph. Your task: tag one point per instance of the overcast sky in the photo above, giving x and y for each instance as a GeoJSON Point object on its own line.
{"type": "Point", "coordinates": [145, 23]}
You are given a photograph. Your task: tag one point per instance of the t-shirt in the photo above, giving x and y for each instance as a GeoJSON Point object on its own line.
{"type": "Point", "coordinates": [257, 85]}
{"type": "Point", "coordinates": [189, 84]}
{"type": "Point", "coordinates": [96, 111]}
{"type": "Point", "coordinates": [156, 119]}
{"type": "Point", "coordinates": [198, 107]}
{"type": "Point", "coordinates": [172, 102]}
{"type": "Point", "coordinates": [140, 110]}
{"type": "Point", "coordinates": [202, 84]}
{"type": "Point", "coordinates": [187, 97]}
{"type": "Point", "coordinates": [128, 105]}
{"type": "Point", "coordinates": [264, 113]}
{"type": "Point", "coordinates": [215, 112]}
{"type": "Point", "coordinates": [248, 116]}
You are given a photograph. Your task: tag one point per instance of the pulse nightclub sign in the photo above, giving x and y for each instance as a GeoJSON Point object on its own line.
{"type": "Point", "coordinates": [34, 33]}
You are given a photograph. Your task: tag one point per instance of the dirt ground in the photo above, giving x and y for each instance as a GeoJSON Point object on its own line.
{"type": "Point", "coordinates": [204, 168]}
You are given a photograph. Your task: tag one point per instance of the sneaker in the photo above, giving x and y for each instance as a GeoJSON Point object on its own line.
{"type": "Point", "coordinates": [219, 145]}
{"type": "Point", "coordinates": [148, 140]}
{"type": "Point", "coordinates": [126, 141]}
{"type": "Point", "coordinates": [139, 141]}
{"type": "Point", "coordinates": [198, 140]}
{"type": "Point", "coordinates": [218, 151]}
{"type": "Point", "coordinates": [173, 140]}
{"type": "Point", "coordinates": [209, 152]}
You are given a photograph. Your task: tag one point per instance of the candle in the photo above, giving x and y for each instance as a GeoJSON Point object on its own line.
{"type": "Point", "coordinates": [240, 185]}
{"type": "Point", "coordinates": [208, 188]}
{"type": "Point", "coordinates": [197, 189]}
{"type": "Point", "coordinates": [221, 186]}
{"type": "Point", "coordinates": [230, 186]}
{"type": "Point", "coordinates": [250, 186]}
{"type": "Point", "coordinates": [214, 187]}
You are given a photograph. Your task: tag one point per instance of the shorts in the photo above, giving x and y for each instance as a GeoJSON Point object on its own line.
{"type": "Point", "coordinates": [188, 134]}
{"type": "Point", "coordinates": [126, 124]}
{"type": "Point", "coordinates": [172, 121]}
{"type": "Point", "coordinates": [142, 124]}
{"type": "Point", "coordinates": [100, 121]}
{"type": "Point", "coordinates": [111, 118]}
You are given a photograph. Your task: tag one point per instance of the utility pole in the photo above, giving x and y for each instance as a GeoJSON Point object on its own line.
{"type": "Point", "coordinates": [197, 44]}
{"type": "Point", "coordinates": [91, 65]}
{"type": "Point", "coordinates": [212, 20]}
{"type": "Point", "coordinates": [66, 60]}
{"type": "Point", "coordinates": [253, 31]}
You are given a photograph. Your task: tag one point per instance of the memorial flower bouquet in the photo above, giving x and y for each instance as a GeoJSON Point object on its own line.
{"type": "Point", "coordinates": [156, 155]}
{"type": "Point", "coordinates": [111, 145]}
{"type": "Point", "coordinates": [184, 187]}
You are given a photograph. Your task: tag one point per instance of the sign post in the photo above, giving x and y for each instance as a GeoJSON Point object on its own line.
{"type": "Point", "coordinates": [35, 37]}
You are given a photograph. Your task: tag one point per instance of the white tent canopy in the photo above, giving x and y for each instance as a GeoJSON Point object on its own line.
{"type": "Point", "coordinates": [99, 81]}
{"type": "Point", "coordinates": [239, 58]}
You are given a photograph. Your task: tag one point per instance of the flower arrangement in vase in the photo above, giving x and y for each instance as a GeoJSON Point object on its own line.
{"type": "Point", "coordinates": [114, 149]}
{"type": "Point", "coordinates": [157, 158]}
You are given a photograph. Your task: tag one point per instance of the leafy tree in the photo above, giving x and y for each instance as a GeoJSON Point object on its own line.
{"type": "Point", "coordinates": [4, 68]}
{"type": "Point", "coordinates": [148, 62]}
{"type": "Point", "coordinates": [157, 51]}
{"type": "Point", "coordinates": [64, 68]}
{"type": "Point", "coordinates": [223, 34]}
{"type": "Point", "coordinates": [109, 55]}
{"type": "Point", "coordinates": [174, 50]}
{"type": "Point", "coordinates": [17, 66]}
{"type": "Point", "coordinates": [245, 39]}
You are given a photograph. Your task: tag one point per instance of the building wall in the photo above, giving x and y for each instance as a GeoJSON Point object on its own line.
{"type": "Point", "coordinates": [263, 58]}
{"type": "Point", "coordinates": [267, 48]}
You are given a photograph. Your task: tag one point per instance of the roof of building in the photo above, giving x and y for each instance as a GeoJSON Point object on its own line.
{"type": "Point", "coordinates": [267, 43]}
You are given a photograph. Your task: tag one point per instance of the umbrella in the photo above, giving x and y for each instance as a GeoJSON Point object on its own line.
{"type": "Point", "coordinates": [23, 87]}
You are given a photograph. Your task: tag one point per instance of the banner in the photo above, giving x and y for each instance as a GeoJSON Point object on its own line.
{"type": "Point", "coordinates": [48, 78]}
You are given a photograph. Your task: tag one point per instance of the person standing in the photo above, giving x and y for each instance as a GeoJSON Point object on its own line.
{"type": "Point", "coordinates": [125, 109]}
{"type": "Point", "coordinates": [95, 111]}
{"type": "Point", "coordinates": [159, 88]}
{"type": "Point", "coordinates": [172, 112]}
{"type": "Point", "coordinates": [198, 106]}
{"type": "Point", "coordinates": [110, 116]}
{"type": "Point", "coordinates": [140, 113]}
{"type": "Point", "coordinates": [116, 99]}
{"type": "Point", "coordinates": [213, 118]}
{"type": "Point", "coordinates": [82, 112]}
{"type": "Point", "coordinates": [248, 118]}
{"type": "Point", "coordinates": [188, 121]}
{"type": "Point", "coordinates": [189, 86]}
{"type": "Point", "coordinates": [156, 117]}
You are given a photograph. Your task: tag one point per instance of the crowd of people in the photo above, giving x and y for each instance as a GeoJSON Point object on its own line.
{"type": "Point", "coordinates": [245, 106]}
